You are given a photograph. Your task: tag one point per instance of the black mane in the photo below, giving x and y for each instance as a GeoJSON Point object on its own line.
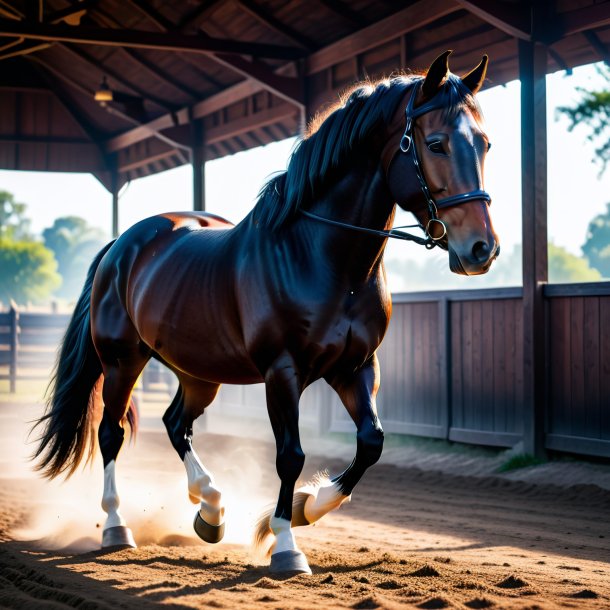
{"type": "Point", "coordinates": [334, 137]}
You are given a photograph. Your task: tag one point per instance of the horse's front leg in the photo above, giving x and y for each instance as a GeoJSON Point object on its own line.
{"type": "Point", "coordinates": [283, 391]}
{"type": "Point", "coordinates": [357, 390]}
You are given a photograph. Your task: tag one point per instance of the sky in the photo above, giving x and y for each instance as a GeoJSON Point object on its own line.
{"type": "Point", "coordinates": [576, 191]}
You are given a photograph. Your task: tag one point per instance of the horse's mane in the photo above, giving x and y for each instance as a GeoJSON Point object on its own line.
{"type": "Point", "coordinates": [336, 135]}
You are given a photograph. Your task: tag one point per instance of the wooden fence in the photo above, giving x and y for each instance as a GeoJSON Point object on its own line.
{"type": "Point", "coordinates": [451, 363]}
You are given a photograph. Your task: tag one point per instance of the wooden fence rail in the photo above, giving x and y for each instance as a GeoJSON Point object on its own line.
{"type": "Point", "coordinates": [451, 363]}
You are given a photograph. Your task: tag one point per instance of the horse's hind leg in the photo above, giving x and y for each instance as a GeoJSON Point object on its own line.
{"type": "Point", "coordinates": [192, 398]}
{"type": "Point", "coordinates": [120, 376]}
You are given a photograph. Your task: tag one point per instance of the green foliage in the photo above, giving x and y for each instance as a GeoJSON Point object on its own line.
{"type": "Point", "coordinates": [521, 460]}
{"type": "Point", "coordinates": [13, 223]}
{"type": "Point", "coordinates": [593, 110]}
{"type": "Point", "coordinates": [597, 245]}
{"type": "Point", "coordinates": [565, 267]}
{"type": "Point", "coordinates": [74, 244]}
{"type": "Point", "coordinates": [28, 271]}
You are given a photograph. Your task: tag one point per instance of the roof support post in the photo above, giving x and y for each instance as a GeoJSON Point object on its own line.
{"type": "Point", "coordinates": [532, 73]}
{"type": "Point", "coordinates": [198, 161]}
{"type": "Point", "coordinates": [114, 190]}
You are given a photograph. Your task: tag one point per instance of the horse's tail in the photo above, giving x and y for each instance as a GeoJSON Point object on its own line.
{"type": "Point", "coordinates": [73, 392]}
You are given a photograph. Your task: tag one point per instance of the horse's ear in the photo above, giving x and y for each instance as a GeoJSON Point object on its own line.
{"type": "Point", "coordinates": [474, 80]}
{"type": "Point", "coordinates": [436, 76]}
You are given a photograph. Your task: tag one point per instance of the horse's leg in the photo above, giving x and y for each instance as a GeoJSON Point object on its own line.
{"type": "Point", "coordinates": [357, 391]}
{"type": "Point", "coordinates": [283, 393]}
{"type": "Point", "coordinates": [119, 379]}
{"type": "Point", "coordinates": [189, 403]}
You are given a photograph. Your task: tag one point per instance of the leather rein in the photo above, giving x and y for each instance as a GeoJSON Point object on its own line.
{"type": "Point", "coordinates": [407, 142]}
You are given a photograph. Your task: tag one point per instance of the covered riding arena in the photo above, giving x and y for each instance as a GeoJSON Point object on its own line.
{"type": "Point", "coordinates": [465, 373]}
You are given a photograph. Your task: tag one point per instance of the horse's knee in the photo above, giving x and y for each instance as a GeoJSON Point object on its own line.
{"type": "Point", "coordinates": [370, 443]}
{"type": "Point", "coordinates": [289, 463]}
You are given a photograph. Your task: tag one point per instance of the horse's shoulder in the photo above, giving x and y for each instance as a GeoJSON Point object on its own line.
{"type": "Point", "coordinates": [196, 220]}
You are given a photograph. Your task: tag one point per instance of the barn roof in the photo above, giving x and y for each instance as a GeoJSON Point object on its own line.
{"type": "Point", "coordinates": [246, 72]}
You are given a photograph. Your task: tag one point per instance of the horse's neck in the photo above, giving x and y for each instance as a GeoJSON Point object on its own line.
{"type": "Point", "coordinates": [359, 198]}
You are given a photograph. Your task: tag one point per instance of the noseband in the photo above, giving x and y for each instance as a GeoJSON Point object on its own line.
{"type": "Point", "coordinates": [407, 142]}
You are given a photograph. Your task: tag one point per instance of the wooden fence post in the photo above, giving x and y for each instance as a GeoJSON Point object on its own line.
{"type": "Point", "coordinates": [14, 346]}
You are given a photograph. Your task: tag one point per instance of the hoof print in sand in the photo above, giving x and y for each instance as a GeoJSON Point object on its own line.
{"type": "Point", "coordinates": [434, 602]}
{"type": "Point", "coordinates": [479, 602]}
{"type": "Point", "coordinates": [585, 594]}
{"type": "Point", "coordinates": [425, 571]}
{"type": "Point", "coordinates": [512, 582]}
{"type": "Point", "coordinates": [368, 603]}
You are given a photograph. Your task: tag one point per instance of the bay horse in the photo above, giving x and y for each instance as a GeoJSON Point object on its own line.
{"type": "Point", "coordinates": [294, 293]}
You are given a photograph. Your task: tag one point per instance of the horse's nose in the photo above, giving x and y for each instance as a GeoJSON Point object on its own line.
{"type": "Point", "coordinates": [480, 252]}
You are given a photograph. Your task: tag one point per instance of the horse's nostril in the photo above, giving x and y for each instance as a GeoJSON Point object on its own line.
{"type": "Point", "coordinates": [480, 252]}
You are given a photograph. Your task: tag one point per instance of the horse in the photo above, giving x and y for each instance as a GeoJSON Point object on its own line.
{"type": "Point", "coordinates": [294, 293]}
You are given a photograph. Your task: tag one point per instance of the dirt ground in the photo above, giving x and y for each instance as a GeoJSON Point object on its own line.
{"type": "Point", "coordinates": [432, 536]}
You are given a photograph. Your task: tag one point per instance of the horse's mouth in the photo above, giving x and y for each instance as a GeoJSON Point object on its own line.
{"type": "Point", "coordinates": [456, 266]}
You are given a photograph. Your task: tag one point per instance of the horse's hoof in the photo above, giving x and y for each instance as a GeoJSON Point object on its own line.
{"type": "Point", "coordinates": [207, 532]}
{"type": "Point", "coordinates": [118, 536]}
{"type": "Point", "coordinates": [289, 562]}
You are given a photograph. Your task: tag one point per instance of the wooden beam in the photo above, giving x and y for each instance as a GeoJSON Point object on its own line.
{"type": "Point", "coordinates": [197, 15]}
{"type": "Point", "coordinates": [72, 14]}
{"type": "Point", "coordinates": [199, 144]}
{"type": "Point", "coordinates": [272, 23]}
{"type": "Point", "coordinates": [415, 16]}
{"type": "Point", "coordinates": [141, 39]}
{"type": "Point", "coordinates": [250, 122]}
{"type": "Point", "coordinates": [514, 19]}
{"type": "Point", "coordinates": [532, 73]}
{"type": "Point", "coordinates": [26, 139]}
{"type": "Point", "coordinates": [127, 167]}
{"type": "Point", "coordinates": [26, 49]}
{"type": "Point", "coordinates": [595, 42]}
{"type": "Point", "coordinates": [288, 88]}
{"type": "Point", "coordinates": [44, 71]}
{"type": "Point", "coordinates": [347, 13]}
{"type": "Point", "coordinates": [152, 14]}
{"type": "Point", "coordinates": [145, 63]}
{"type": "Point", "coordinates": [118, 78]}
{"type": "Point", "coordinates": [588, 18]}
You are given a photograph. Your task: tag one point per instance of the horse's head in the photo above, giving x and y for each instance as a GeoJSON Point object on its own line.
{"type": "Point", "coordinates": [438, 172]}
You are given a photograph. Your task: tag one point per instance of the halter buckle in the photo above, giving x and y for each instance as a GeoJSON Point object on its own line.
{"type": "Point", "coordinates": [405, 143]}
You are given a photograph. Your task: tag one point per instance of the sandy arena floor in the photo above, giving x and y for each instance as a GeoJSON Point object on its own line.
{"type": "Point", "coordinates": [411, 537]}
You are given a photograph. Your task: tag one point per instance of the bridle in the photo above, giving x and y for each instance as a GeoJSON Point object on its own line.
{"type": "Point", "coordinates": [407, 142]}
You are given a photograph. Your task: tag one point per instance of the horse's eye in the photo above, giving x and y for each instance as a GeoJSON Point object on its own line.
{"type": "Point", "coordinates": [436, 147]}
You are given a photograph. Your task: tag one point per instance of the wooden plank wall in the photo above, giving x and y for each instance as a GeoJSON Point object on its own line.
{"type": "Point", "coordinates": [486, 371]}
{"type": "Point", "coordinates": [451, 367]}
{"type": "Point", "coordinates": [579, 371]}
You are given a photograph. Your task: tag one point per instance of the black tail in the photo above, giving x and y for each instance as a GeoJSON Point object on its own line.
{"type": "Point", "coordinates": [68, 417]}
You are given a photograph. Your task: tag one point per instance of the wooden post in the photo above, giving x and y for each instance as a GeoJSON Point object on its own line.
{"type": "Point", "coordinates": [114, 189]}
{"type": "Point", "coordinates": [532, 73]}
{"type": "Point", "coordinates": [198, 165]}
{"type": "Point", "coordinates": [14, 346]}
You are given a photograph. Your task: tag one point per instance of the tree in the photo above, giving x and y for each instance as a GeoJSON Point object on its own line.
{"type": "Point", "coordinates": [28, 271]}
{"type": "Point", "coordinates": [594, 111]}
{"type": "Point", "coordinates": [13, 223]}
{"type": "Point", "coordinates": [74, 243]}
{"type": "Point", "coordinates": [566, 267]}
{"type": "Point", "coordinates": [597, 245]}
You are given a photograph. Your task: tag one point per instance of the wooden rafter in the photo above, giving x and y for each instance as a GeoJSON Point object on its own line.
{"type": "Point", "coordinates": [344, 11]}
{"type": "Point", "coordinates": [145, 63]}
{"type": "Point", "coordinates": [273, 23]}
{"type": "Point", "coordinates": [595, 42]}
{"type": "Point", "coordinates": [141, 39]}
{"type": "Point", "coordinates": [415, 16]}
{"type": "Point", "coordinates": [73, 13]}
{"type": "Point", "coordinates": [287, 88]}
{"type": "Point", "coordinates": [514, 19]}
{"type": "Point", "coordinates": [116, 76]}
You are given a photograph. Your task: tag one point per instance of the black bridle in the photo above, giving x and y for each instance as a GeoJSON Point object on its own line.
{"type": "Point", "coordinates": [407, 142]}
